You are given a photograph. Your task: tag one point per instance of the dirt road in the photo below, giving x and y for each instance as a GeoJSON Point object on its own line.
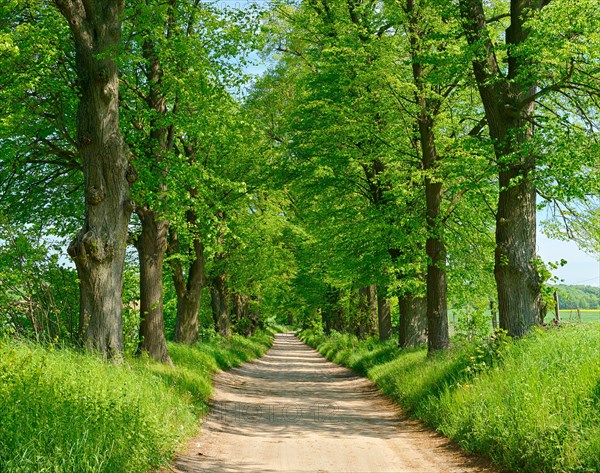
{"type": "Point", "coordinates": [293, 411]}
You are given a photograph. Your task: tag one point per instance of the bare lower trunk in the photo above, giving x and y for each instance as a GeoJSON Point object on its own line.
{"type": "Point", "coordinates": [413, 320]}
{"type": "Point", "coordinates": [438, 334]}
{"type": "Point", "coordinates": [188, 289]}
{"type": "Point", "coordinates": [186, 323]}
{"type": "Point", "coordinates": [220, 304]}
{"type": "Point", "coordinates": [98, 250]}
{"type": "Point", "coordinates": [384, 315]}
{"type": "Point", "coordinates": [152, 245]}
{"type": "Point", "coordinates": [519, 298]}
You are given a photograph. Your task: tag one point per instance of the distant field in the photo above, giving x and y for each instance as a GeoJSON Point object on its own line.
{"type": "Point", "coordinates": [566, 315]}
{"type": "Point", "coordinates": [587, 315]}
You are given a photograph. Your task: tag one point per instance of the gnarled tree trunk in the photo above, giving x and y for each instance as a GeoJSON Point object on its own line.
{"type": "Point", "coordinates": [98, 249]}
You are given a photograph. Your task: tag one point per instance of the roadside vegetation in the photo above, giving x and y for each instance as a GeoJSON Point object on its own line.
{"type": "Point", "coordinates": [530, 405]}
{"type": "Point", "coordinates": [68, 411]}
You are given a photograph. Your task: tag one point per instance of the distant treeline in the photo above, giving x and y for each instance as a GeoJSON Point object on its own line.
{"type": "Point", "coordinates": [582, 297]}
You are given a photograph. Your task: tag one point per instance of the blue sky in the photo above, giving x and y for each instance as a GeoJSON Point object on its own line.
{"type": "Point", "coordinates": [581, 268]}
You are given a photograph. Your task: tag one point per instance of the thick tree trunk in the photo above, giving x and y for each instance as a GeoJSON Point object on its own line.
{"type": "Point", "coordinates": [413, 320]}
{"type": "Point", "coordinates": [152, 245]}
{"type": "Point", "coordinates": [412, 327]}
{"type": "Point", "coordinates": [517, 280]}
{"type": "Point", "coordinates": [98, 250]}
{"type": "Point", "coordinates": [220, 304]}
{"type": "Point", "coordinates": [186, 322]}
{"type": "Point", "coordinates": [384, 316]}
{"type": "Point", "coordinates": [188, 290]}
{"type": "Point", "coordinates": [509, 106]}
{"type": "Point", "coordinates": [437, 312]}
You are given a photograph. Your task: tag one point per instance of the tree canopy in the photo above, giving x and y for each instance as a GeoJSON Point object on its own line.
{"type": "Point", "coordinates": [387, 163]}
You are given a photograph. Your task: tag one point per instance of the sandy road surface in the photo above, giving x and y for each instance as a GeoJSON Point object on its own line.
{"type": "Point", "coordinates": [293, 411]}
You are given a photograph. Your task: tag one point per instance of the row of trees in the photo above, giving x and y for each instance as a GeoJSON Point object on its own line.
{"type": "Point", "coordinates": [122, 114]}
{"type": "Point", "coordinates": [419, 138]}
{"type": "Point", "coordinates": [396, 151]}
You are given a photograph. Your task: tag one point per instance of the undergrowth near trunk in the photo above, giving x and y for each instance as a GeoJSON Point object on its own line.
{"type": "Point", "coordinates": [531, 405]}
{"type": "Point", "coordinates": [65, 411]}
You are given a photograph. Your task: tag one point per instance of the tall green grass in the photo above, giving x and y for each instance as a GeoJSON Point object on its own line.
{"type": "Point", "coordinates": [64, 411]}
{"type": "Point", "coordinates": [531, 405]}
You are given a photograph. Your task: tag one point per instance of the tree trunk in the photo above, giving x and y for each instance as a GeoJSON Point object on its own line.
{"type": "Point", "coordinates": [153, 241]}
{"type": "Point", "coordinates": [437, 312]}
{"type": "Point", "coordinates": [384, 315]}
{"type": "Point", "coordinates": [186, 322]}
{"type": "Point", "coordinates": [244, 319]}
{"type": "Point", "coordinates": [494, 314]}
{"type": "Point", "coordinates": [98, 249]}
{"type": "Point", "coordinates": [413, 320]}
{"type": "Point", "coordinates": [437, 309]}
{"type": "Point", "coordinates": [412, 327]}
{"type": "Point", "coordinates": [188, 290]}
{"type": "Point", "coordinates": [367, 311]}
{"type": "Point", "coordinates": [509, 106]}
{"type": "Point", "coordinates": [326, 319]}
{"type": "Point", "coordinates": [517, 280]}
{"type": "Point", "coordinates": [332, 312]}
{"type": "Point", "coordinates": [245, 316]}
{"type": "Point", "coordinates": [220, 304]}
{"type": "Point", "coordinates": [152, 245]}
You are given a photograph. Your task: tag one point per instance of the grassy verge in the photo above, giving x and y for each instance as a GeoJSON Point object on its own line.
{"type": "Point", "coordinates": [530, 406]}
{"type": "Point", "coordinates": [64, 411]}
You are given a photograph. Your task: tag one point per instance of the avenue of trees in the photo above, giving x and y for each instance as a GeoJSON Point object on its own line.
{"type": "Point", "coordinates": [388, 164]}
